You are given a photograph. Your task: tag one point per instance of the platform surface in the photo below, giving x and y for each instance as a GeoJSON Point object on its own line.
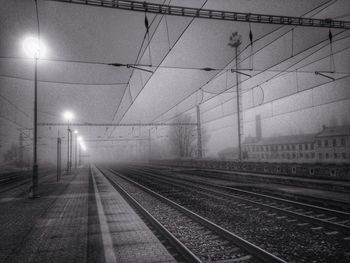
{"type": "Point", "coordinates": [81, 218]}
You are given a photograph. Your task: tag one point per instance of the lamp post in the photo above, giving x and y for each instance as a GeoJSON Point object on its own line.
{"type": "Point", "coordinates": [68, 116]}
{"type": "Point", "coordinates": [76, 149]}
{"type": "Point", "coordinates": [34, 48]}
{"type": "Point", "coordinates": [81, 147]}
{"type": "Point", "coordinates": [235, 42]}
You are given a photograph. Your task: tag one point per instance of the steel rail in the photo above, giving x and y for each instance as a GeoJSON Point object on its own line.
{"type": "Point", "coordinates": [272, 198]}
{"type": "Point", "coordinates": [309, 219]}
{"type": "Point", "coordinates": [258, 252]}
{"type": "Point", "coordinates": [185, 252]}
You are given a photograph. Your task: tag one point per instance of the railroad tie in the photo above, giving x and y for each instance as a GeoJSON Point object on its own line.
{"type": "Point", "coordinates": [332, 233]}
{"type": "Point", "coordinates": [302, 224]}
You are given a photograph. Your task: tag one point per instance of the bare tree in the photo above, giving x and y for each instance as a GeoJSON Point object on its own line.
{"type": "Point", "coordinates": [183, 138]}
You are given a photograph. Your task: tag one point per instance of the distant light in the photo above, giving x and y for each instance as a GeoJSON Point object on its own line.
{"type": "Point", "coordinates": [76, 132]}
{"type": "Point", "coordinates": [80, 138]}
{"type": "Point", "coordinates": [34, 48]}
{"type": "Point", "coordinates": [83, 147]}
{"type": "Point", "coordinates": [68, 115]}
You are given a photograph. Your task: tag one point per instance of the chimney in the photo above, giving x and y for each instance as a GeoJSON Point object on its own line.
{"type": "Point", "coordinates": [258, 133]}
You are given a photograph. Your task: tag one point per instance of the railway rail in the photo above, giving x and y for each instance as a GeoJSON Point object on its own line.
{"type": "Point", "coordinates": [329, 218]}
{"type": "Point", "coordinates": [224, 208]}
{"type": "Point", "coordinates": [204, 239]}
{"type": "Point", "coordinates": [260, 186]}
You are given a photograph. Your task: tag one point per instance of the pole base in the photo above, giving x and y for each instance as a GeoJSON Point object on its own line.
{"type": "Point", "coordinates": [33, 190]}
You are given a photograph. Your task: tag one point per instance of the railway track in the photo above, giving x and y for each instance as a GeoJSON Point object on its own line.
{"type": "Point", "coordinates": [331, 219]}
{"type": "Point", "coordinates": [18, 179]}
{"type": "Point", "coordinates": [255, 186]}
{"type": "Point", "coordinates": [288, 237]}
{"type": "Point", "coordinates": [204, 239]}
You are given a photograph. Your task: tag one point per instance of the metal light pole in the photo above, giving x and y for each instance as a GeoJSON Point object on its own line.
{"type": "Point", "coordinates": [70, 151]}
{"type": "Point", "coordinates": [76, 149]}
{"type": "Point", "coordinates": [199, 133]}
{"type": "Point", "coordinates": [58, 159]}
{"type": "Point", "coordinates": [68, 116]}
{"type": "Point", "coordinates": [68, 157]}
{"type": "Point", "coordinates": [235, 43]}
{"type": "Point", "coordinates": [35, 143]}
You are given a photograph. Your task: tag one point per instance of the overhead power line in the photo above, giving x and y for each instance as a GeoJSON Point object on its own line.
{"type": "Point", "coordinates": [212, 14]}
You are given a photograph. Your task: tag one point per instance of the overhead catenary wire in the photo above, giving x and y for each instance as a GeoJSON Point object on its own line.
{"type": "Point", "coordinates": [246, 90]}
{"type": "Point", "coordinates": [138, 58]}
{"type": "Point", "coordinates": [278, 75]}
{"type": "Point", "coordinates": [279, 71]}
{"type": "Point", "coordinates": [158, 64]}
{"type": "Point", "coordinates": [63, 82]}
{"type": "Point", "coordinates": [279, 98]}
{"type": "Point", "coordinates": [319, 8]}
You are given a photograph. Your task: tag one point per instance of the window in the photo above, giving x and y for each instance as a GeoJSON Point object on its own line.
{"type": "Point", "coordinates": [300, 147]}
{"type": "Point", "coordinates": [319, 144]}
{"type": "Point", "coordinates": [320, 156]}
{"type": "Point", "coordinates": [288, 156]}
{"type": "Point", "coordinates": [327, 155]}
{"type": "Point", "coordinates": [300, 155]}
{"type": "Point", "coordinates": [334, 142]}
{"type": "Point", "coordinates": [311, 146]}
{"type": "Point", "coordinates": [306, 146]}
{"type": "Point", "coordinates": [325, 143]}
{"type": "Point", "coordinates": [343, 155]}
{"type": "Point", "coordinates": [294, 156]}
{"type": "Point", "coordinates": [312, 155]}
{"type": "Point", "coordinates": [293, 147]}
{"type": "Point", "coordinates": [307, 156]}
{"type": "Point", "coordinates": [287, 147]}
{"type": "Point", "coordinates": [335, 155]}
{"type": "Point", "coordinates": [342, 141]}
{"type": "Point", "coordinates": [282, 147]}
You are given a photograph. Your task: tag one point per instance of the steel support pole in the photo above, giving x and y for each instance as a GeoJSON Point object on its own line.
{"type": "Point", "coordinates": [149, 144]}
{"type": "Point", "coordinates": [238, 108]}
{"type": "Point", "coordinates": [79, 150]}
{"type": "Point", "coordinates": [70, 151]}
{"type": "Point", "coordinates": [76, 152]}
{"type": "Point", "coordinates": [35, 135]}
{"type": "Point", "coordinates": [68, 131]}
{"type": "Point", "coordinates": [58, 159]}
{"type": "Point", "coordinates": [21, 149]}
{"type": "Point", "coordinates": [199, 134]}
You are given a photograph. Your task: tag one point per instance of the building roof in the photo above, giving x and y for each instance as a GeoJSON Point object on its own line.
{"type": "Point", "coordinates": [334, 131]}
{"type": "Point", "coordinates": [288, 139]}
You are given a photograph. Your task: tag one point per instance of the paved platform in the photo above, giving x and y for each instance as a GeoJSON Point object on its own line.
{"type": "Point", "coordinates": [79, 219]}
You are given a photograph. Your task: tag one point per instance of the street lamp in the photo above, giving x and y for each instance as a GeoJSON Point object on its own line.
{"type": "Point", "coordinates": [81, 148]}
{"type": "Point", "coordinates": [68, 116]}
{"type": "Point", "coordinates": [76, 148]}
{"type": "Point", "coordinates": [235, 42]}
{"type": "Point", "coordinates": [35, 48]}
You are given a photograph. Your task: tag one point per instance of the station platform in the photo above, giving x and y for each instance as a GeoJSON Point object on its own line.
{"type": "Point", "coordinates": [81, 218]}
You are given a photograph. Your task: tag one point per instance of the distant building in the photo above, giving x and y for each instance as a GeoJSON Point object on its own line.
{"type": "Point", "coordinates": [332, 144]}
{"type": "Point", "coordinates": [286, 148]}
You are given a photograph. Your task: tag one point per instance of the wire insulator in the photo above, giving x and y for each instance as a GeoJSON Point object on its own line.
{"type": "Point", "coordinates": [251, 37]}
{"type": "Point", "coordinates": [146, 23]}
{"type": "Point", "coordinates": [330, 36]}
